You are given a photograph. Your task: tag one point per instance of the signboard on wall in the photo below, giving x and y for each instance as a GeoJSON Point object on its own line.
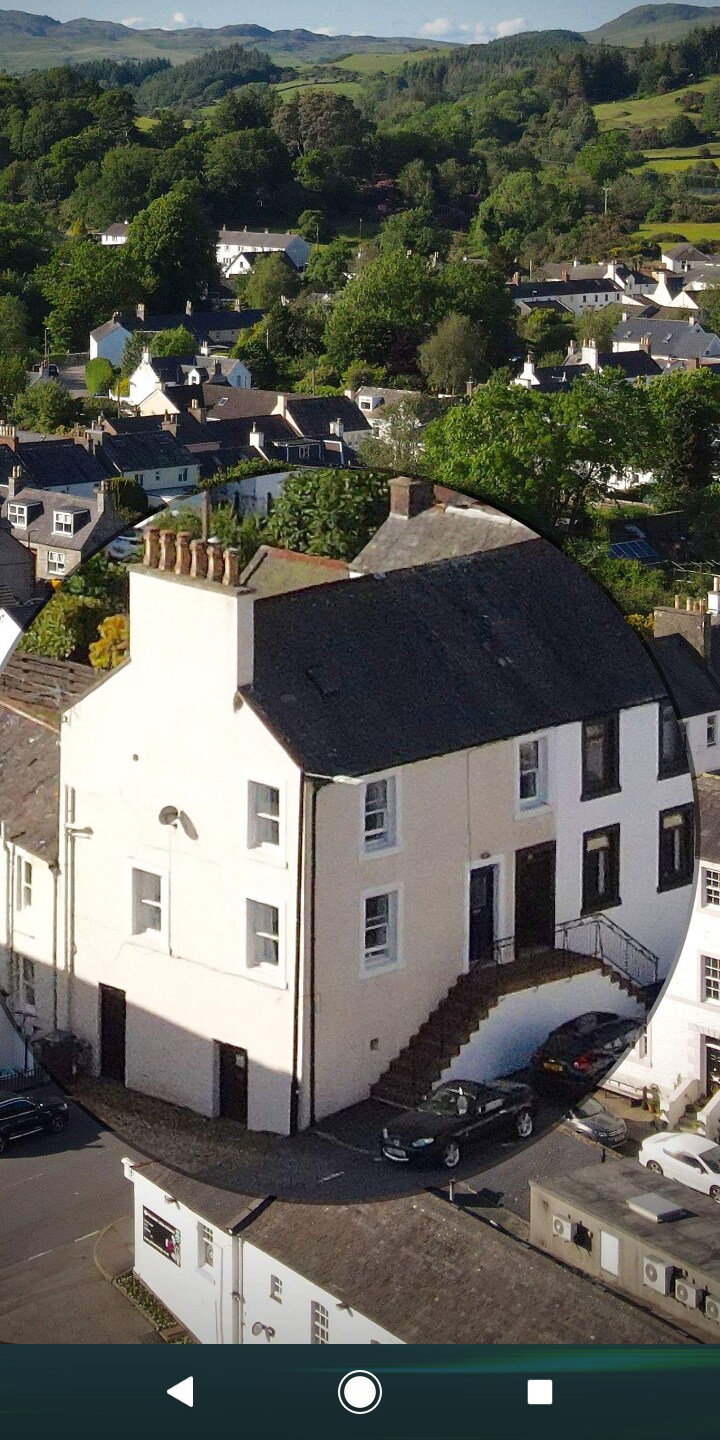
{"type": "Point", "coordinates": [161, 1236]}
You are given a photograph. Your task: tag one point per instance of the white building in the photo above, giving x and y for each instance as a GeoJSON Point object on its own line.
{"type": "Point", "coordinates": [245, 809]}
{"type": "Point", "coordinates": [237, 250]}
{"type": "Point", "coordinates": [116, 234]}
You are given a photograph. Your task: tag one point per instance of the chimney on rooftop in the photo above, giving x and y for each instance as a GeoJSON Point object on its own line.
{"type": "Point", "coordinates": [140, 310]}
{"type": "Point", "coordinates": [197, 410]}
{"type": "Point", "coordinates": [8, 436]}
{"type": "Point", "coordinates": [409, 497]}
{"type": "Point", "coordinates": [645, 343]}
{"type": "Point", "coordinates": [105, 500]}
{"type": "Point", "coordinates": [14, 481]}
{"type": "Point", "coordinates": [188, 307]}
{"type": "Point", "coordinates": [256, 438]}
{"type": "Point", "coordinates": [693, 623]}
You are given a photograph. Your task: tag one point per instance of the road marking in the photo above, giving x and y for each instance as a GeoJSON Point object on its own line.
{"type": "Point", "coordinates": [89, 1236]}
{"type": "Point", "coordinates": [335, 1176]}
{"type": "Point", "coordinates": [26, 1181]}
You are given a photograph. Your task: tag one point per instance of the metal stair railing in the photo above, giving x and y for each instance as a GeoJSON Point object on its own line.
{"type": "Point", "coordinates": [599, 936]}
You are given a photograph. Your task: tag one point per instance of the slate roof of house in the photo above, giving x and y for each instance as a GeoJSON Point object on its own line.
{"type": "Point", "coordinates": [455, 525]}
{"type": "Point", "coordinates": [225, 1209]}
{"type": "Point", "coordinates": [51, 464]}
{"type": "Point", "coordinates": [315, 414]}
{"type": "Point", "coordinates": [220, 327]}
{"type": "Point", "coordinates": [633, 363]}
{"type": "Point", "coordinates": [120, 227]}
{"type": "Point", "coordinates": [689, 680]}
{"type": "Point", "coordinates": [707, 789]}
{"type": "Point", "coordinates": [549, 304]}
{"type": "Point", "coordinates": [257, 239]}
{"type": "Point", "coordinates": [17, 569]}
{"type": "Point", "coordinates": [33, 692]}
{"type": "Point", "coordinates": [667, 337]}
{"type": "Point", "coordinates": [150, 449]}
{"type": "Point", "coordinates": [536, 290]}
{"type": "Point", "coordinates": [433, 659]}
{"type": "Point", "coordinates": [685, 251]}
{"type": "Point", "coordinates": [429, 1273]}
{"type": "Point", "coordinates": [225, 402]}
{"type": "Point", "coordinates": [95, 527]}
{"type": "Point", "coordinates": [273, 571]}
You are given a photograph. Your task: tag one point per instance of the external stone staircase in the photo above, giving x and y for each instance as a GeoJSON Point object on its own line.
{"type": "Point", "coordinates": [469, 1001]}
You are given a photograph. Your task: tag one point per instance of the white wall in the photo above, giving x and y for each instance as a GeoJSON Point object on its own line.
{"type": "Point", "coordinates": [199, 1297]}
{"type": "Point", "coordinates": [290, 1318]}
{"type": "Point", "coordinates": [506, 1039]}
{"type": "Point", "coordinates": [27, 933]}
{"type": "Point", "coordinates": [704, 757]}
{"type": "Point", "coordinates": [111, 347]}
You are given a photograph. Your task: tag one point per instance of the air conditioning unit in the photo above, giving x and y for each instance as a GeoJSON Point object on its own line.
{"type": "Point", "coordinates": [689, 1295]}
{"type": "Point", "coordinates": [712, 1308]}
{"type": "Point", "coordinates": [563, 1229]}
{"type": "Point", "coordinates": [657, 1275]}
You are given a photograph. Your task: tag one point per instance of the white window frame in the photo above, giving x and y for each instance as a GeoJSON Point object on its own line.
{"type": "Point", "coordinates": [709, 976]}
{"type": "Point", "coordinates": [206, 1247]}
{"type": "Point", "coordinates": [17, 515]}
{"type": "Point", "coordinates": [319, 1323]}
{"type": "Point", "coordinates": [63, 522]}
{"type": "Point", "coordinates": [272, 848]}
{"type": "Point", "coordinates": [276, 1288]}
{"type": "Point", "coordinates": [261, 966]}
{"type": "Point", "coordinates": [57, 562]}
{"type": "Point", "coordinates": [542, 799]}
{"type": "Point", "coordinates": [395, 915]}
{"type": "Point", "coordinates": [140, 866]}
{"type": "Point", "coordinates": [711, 728]}
{"type": "Point", "coordinates": [23, 883]}
{"type": "Point", "coordinates": [391, 780]}
{"type": "Point", "coordinates": [710, 884]}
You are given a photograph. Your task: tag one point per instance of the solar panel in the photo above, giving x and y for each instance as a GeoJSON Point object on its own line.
{"type": "Point", "coordinates": [633, 550]}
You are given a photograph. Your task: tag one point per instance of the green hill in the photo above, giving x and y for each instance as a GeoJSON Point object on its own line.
{"type": "Point", "coordinates": [37, 42]}
{"type": "Point", "coordinates": [659, 24]}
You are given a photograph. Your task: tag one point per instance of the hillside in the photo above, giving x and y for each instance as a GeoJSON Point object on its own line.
{"type": "Point", "coordinates": [37, 42]}
{"type": "Point", "coordinates": [660, 24]}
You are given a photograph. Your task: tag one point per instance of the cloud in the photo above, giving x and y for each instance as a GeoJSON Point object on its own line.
{"type": "Point", "coordinates": [134, 22]}
{"type": "Point", "coordinates": [478, 33]}
{"type": "Point", "coordinates": [181, 21]}
{"type": "Point", "coordinates": [325, 30]}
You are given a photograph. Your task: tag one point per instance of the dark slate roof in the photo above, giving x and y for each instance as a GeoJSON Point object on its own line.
{"type": "Point", "coordinates": [171, 369]}
{"type": "Point", "coordinates": [119, 227]}
{"type": "Point", "coordinates": [531, 290]}
{"type": "Point", "coordinates": [51, 463]}
{"type": "Point", "coordinates": [17, 569]}
{"type": "Point", "coordinates": [273, 571]}
{"type": "Point", "coordinates": [633, 363]}
{"type": "Point", "coordinates": [151, 449]}
{"type": "Point", "coordinates": [314, 414]}
{"type": "Point", "coordinates": [689, 681]}
{"type": "Point", "coordinates": [218, 327]}
{"type": "Point", "coordinates": [30, 783]}
{"type": "Point", "coordinates": [227, 402]}
{"type": "Point", "coordinates": [41, 686]}
{"type": "Point", "coordinates": [225, 1209]}
{"type": "Point", "coordinates": [708, 800]}
{"type": "Point", "coordinates": [667, 337]}
{"type": "Point", "coordinates": [433, 659]}
{"type": "Point", "coordinates": [454, 525]}
{"type": "Point", "coordinates": [94, 527]}
{"type": "Point", "coordinates": [429, 1273]}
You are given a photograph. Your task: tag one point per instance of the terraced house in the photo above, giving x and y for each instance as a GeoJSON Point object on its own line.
{"type": "Point", "coordinates": [331, 832]}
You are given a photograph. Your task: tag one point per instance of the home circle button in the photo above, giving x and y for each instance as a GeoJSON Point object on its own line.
{"type": "Point", "coordinates": [359, 1392]}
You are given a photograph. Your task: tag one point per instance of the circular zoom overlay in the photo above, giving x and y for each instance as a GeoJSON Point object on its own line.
{"type": "Point", "coordinates": [359, 1392]}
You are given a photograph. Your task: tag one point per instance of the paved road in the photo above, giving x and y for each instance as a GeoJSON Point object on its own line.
{"type": "Point", "coordinates": [56, 1193]}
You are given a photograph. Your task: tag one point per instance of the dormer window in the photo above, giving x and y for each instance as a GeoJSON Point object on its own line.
{"type": "Point", "coordinates": [63, 522]}
{"type": "Point", "coordinates": [17, 515]}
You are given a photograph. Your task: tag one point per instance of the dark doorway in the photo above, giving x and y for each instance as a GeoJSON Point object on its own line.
{"type": "Point", "coordinates": [482, 903]}
{"type": "Point", "coordinates": [112, 1033]}
{"type": "Point", "coordinates": [712, 1063]}
{"type": "Point", "coordinates": [535, 899]}
{"type": "Point", "coordinates": [233, 1070]}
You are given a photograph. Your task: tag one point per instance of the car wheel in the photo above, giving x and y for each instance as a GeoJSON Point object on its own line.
{"type": "Point", "coordinates": [524, 1124]}
{"type": "Point", "coordinates": [653, 1165]}
{"type": "Point", "coordinates": [57, 1123]}
{"type": "Point", "coordinates": [451, 1155]}
{"type": "Point", "coordinates": [715, 1193]}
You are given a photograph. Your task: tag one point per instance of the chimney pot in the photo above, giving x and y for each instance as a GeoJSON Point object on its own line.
{"type": "Point", "coordinates": [182, 553]}
{"type": "Point", "coordinates": [231, 567]}
{"type": "Point", "coordinates": [198, 559]}
{"type": "Point", "coordinates": [151, 556]}
{"type": "Point", "coordinates": [688, 603]}
{"type": "Point", "coordinates": [409, 497]}
{"type": "Point", "coordinates": [677, 602]}
{"type": "Point", "coordinates": [167, 550]}
{"type": "Point", "coordinates": [215, 562]}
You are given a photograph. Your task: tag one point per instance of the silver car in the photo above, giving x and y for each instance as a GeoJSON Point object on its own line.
{"type": "Point", "coordinates": [589, 1118]}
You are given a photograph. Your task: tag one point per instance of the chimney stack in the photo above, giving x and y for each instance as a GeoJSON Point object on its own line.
{"type": "Point", "coordinates": [231, 567]}
{"type": "Point", "coordinates": [14, 482]}
{"type": "Point", "coordinates": [8, 436]}
{"type": "Point", "coordinates": [645, 342]}
{"type": "Point", "coordinates": [409, 497]}
{"type": "Point", "coordinates": [256, 438]}
{"type": "Point", "coordinates": [692, 622]}
{"type": "Point", "coordinates": [188, 307]}
{"type": "Point", "coordinates": [140, 311]}
{"type": "Point", "coordinates": [182, 552]}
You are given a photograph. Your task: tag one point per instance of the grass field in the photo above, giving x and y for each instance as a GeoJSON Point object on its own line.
{"type": "Point", "coordinates": [370, 64]}
{"type": "Point", "coordinates": [692, 232]}
{"type": "Point", "coordinates": [655, 110]}
{"type": "Point", "coordinates": [340, 87]}
{"type": "Point", "coordinates": [671, 166]}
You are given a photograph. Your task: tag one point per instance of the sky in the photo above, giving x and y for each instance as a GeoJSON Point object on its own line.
{"type": "Point", "coordinates": [457, 20]}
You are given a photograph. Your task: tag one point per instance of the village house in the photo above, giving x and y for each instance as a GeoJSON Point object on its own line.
{"type": "Point", "coordinates": [682, 342]}
{"type": "Point", "coordinates": [115, 234]}
{"type": "Point", "coordinates": [574, 295]}
{"type": "Point", "coordinates": [60, 531]}
{"type": "Point", "coordinates": [214, 330]}
{"type": "Point", "coordinates": [583, 360]}
{"type": "Point", "coordinates": [237, 250]}
{"type": "Point", "coordinates": [347, 718]}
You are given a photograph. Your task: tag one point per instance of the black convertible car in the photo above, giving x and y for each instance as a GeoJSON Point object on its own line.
{"type": "Point", "coordinates": [456, 1115]}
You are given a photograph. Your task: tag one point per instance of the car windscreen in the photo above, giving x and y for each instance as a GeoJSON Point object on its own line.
{"type": "Point", "coordinates": [447, 1102]}
{"type": "Point", "coordinates": [588, 1107]}
{"type": "Point", "coordinates": [711, 1159]}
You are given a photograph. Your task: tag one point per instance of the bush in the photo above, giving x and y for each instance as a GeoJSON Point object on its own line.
{"type": "Point", "coordinates": [99, 375]}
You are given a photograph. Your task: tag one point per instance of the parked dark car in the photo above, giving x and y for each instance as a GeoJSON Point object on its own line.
{"type": "Point", "coordinates": [20, 1116]}
{"type": "Point", "coordinates": [458, 1114]}
{"type": "Point", "coordinates": [583, 1050]}
{"type": "Point", "coordinates": [591, 1119]}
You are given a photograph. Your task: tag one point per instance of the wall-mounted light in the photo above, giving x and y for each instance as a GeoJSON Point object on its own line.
{"type": "Point", "coordinates": [169, 815]}
{"type": "Point", "coordinates": [258, 1328]}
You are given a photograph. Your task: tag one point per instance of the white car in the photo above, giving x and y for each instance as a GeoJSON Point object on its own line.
{"type": "Point", "coordinates": [691, 1159]}
{"type": "Point", "coordinates": [125, 547]}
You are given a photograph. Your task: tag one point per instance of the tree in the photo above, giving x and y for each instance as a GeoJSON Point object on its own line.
{"type": "Point", "coordinates": [383, 315]}
{"type": "Point", "coordinates": [685, 412]}
{"type": "Point", "coordinates": [46, 407]}
{"type": "Point", "coordinates": [546, 333]}
{"type": "Point", "coordinates": [65, 629]}
{"type": "Point", "coordinates": [416, 184]}
{"type": "Point", "coordinates": [607, 157]}
{"type": "Point", "coordinates": [597, 325]}
{"type": "Point", "coordinates": [99, 375]}
{"type": "Point", "coordinates": [681, 131]}
{"type": "Point", "coordinates": [453, 354]}
{"type": "Point", "coordinates": [328, 266]}
{"type": "Point", "coordinates": [400, 445]}
{"type": "Point", "coordinates": [113, 645]}
{"type": "Point", "coordinates": [329, 512]}
{"type": "Point", "coordinates": [133, 350]}
{"type": "Point", "coordinates": [14, 341]}
{"type": "Point", "coordinates": [12, 381]}
{"type": "Point", "coordinates": [272, 276]}
{"type": "Point", "coordinates": [83, 284]}
{"type": "Point", "coordinates": [313, 226]}
{"type": "Point", "coordinates": [412, 230]}
{"type": "Point", "coordinates": [246, 167]}
{"type": "Point", "coordinates": [179, 341]}
{"type": "Point", "coordinates": [319, 120]}
{"type": "Point", "coordinates": [171, 246]}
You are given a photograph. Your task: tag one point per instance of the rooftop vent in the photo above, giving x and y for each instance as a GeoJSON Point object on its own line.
{"type": "Point", "coordinates": [657, 1208]}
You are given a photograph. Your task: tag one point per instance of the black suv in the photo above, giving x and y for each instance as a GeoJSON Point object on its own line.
{"type": "Point", "coordinates": [581, 1051]}
{"type": "Point", "coordinates": [459, 1113]}
{"type": "Point", "coordinates": [21, 1116]}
